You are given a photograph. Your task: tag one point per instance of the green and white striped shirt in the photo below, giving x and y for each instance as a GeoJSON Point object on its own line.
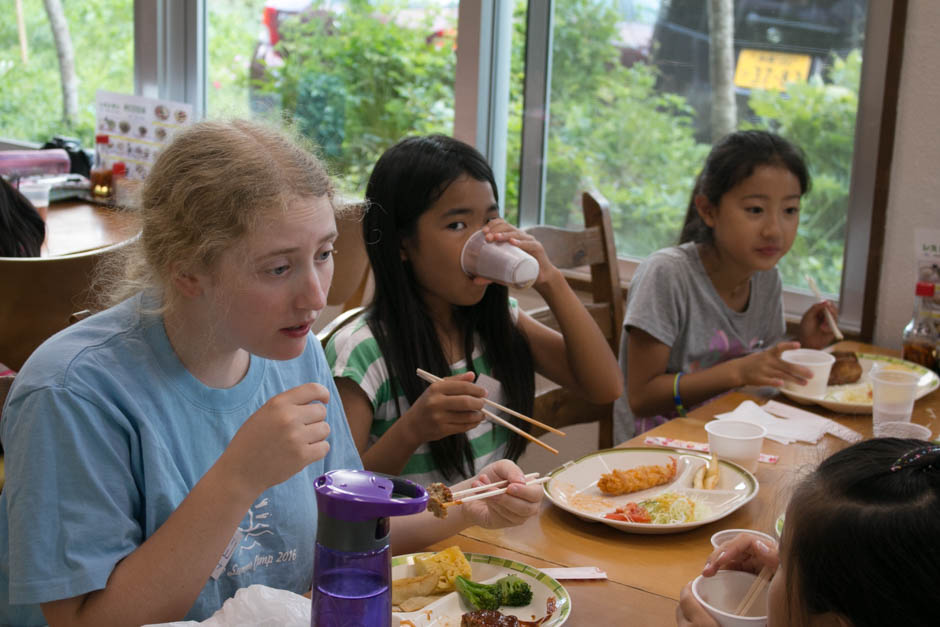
{"type": "Point", "coordinates": [353, 353]}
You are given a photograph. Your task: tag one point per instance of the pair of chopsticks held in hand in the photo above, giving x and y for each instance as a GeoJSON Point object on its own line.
{"type": "Point", "coordinates": [430, 378]}
{"type": "Point", "coordinates": [490, 489]}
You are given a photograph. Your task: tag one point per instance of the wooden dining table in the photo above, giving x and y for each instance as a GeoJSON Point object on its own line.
{"type": "Point", "coordinates": [645, 573]}
{"type": "Point", "coordinates": [73, 227]}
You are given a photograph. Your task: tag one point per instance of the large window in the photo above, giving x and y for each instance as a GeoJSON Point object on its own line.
{"type": "Point", "coordinates": [354, 76]}
{"type": "Point", "coordinates": [95, 37]}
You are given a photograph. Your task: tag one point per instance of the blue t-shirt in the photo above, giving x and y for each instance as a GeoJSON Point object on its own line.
{"type": "Point", "coordinates": [106, 432]}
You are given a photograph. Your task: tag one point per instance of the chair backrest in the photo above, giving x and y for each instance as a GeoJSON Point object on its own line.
{"type": "Point", "coordinates": [38, 294]}
{"type": "Point", "coordinates": [351, 272]}
{"type": "Point", "coordinates": [338, 323]}
{"type": "Point", "coordinates": [568, 249]}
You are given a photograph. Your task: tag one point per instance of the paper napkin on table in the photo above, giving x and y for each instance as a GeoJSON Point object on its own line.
{"type": "Point", "coordinates": [786, 424]}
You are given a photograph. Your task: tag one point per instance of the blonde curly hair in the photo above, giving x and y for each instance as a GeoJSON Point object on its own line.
{"type": "Point", "coordinates": [209, 188]}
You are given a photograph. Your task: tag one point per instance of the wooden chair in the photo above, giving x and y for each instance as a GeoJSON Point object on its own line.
{"type": "Point", "coordinates": [38, 294]}
{"type": "Point", "coordinates": [338, 323]}
{"type": "Point", "coordinates": [351, 272]}
{"type": "Point", "coordinates": [569, 249]}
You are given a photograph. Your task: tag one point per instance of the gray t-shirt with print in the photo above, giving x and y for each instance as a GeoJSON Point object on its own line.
{"type": "Point", "coordinates": [672, 299]}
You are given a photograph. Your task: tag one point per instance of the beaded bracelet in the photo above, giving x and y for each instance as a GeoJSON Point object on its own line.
{"type": "Point", "coordinates": [675, 395]}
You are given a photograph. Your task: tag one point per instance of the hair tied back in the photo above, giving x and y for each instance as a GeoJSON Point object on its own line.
{"type": "Point", "coordinates": [926, 458]}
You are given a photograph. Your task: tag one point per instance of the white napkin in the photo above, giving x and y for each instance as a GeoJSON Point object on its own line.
{"type": "Point", "coordinates": [786, 424]}
{"type": "Point", "coordinates": [257, 606]}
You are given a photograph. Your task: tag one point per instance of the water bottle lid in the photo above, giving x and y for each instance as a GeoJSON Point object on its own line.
{"type": "Point", "coordinates": [359, 495]}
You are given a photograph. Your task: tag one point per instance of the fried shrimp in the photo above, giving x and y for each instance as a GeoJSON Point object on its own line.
{"type": "Point", "coordinates": [636, 479]}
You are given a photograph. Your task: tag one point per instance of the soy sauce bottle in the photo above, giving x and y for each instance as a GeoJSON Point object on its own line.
{"type": "Point", "coordinates": [921, 339]}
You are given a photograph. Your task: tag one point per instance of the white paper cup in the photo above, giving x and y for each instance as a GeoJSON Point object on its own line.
{"type": "Point", "coordinates": [721, 593]}
{"type": "Point", "coordinates": [37, 194]}
{"type": "Point", "coordinates": [902, 430]}
{"type": "Point", "coordinates": [893, 393]}
{"type": "Point", "coordinates": [501, 262]}
{"type": "Point", "coordinates": [736, 441]}
{"type": "Point", "coordinates": [720, 537]}
{"type": "Point", "coordinates": [819, 362]}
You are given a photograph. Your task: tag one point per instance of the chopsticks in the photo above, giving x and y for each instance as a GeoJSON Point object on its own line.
{"type": "Point", "coordinates": [489, 486]}
{"type": "Point", "coordinates": [427, 376]}
{"type": "Point", "coordinates": [829, 318]}
{"type": "Point", "coordinates": [486, 495]}
{"type": "Point", "coordinates": [753, 591]}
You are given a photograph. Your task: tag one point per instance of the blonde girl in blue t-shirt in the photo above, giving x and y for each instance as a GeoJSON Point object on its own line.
{"type": "Point", "coordinates": [742, 219]}
{"type": "Point", "coordinates": [426, 196]}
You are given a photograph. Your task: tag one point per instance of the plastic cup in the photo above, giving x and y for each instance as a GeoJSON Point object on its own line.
{"type": "Point", "coordinates": [501, 262]}
{"type": "Point", "coordinates": [818, 362]}
{"type": "Point", "coordinates": [720, 537]}
{"type": "Point", "coordinates": [736, 441]}
{"type": "Point", "coordinates": [721, 593]}
{"type": "Point", "coordinates": [38, 195]}
{"type": "Point", "coordinates": [893, 393]}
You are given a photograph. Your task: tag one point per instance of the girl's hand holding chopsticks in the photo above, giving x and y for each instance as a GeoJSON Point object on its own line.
{"type": "Point", "coordinates": [448, 406]}
{"type": "Point", "coordinates": [517, 503]}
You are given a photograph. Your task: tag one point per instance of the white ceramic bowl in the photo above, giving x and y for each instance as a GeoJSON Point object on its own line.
{"type": "Point", "coordinates": [720, 537]}
{"type": "Point", "coordinates": [721, 593]}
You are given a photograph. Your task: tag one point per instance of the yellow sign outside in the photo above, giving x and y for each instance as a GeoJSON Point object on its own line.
{"type": "Point", "coordinates": [759, 69]}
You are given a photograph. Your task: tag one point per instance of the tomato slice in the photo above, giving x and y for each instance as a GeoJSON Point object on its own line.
{"type": "Point", "coordinates": [631, 512]}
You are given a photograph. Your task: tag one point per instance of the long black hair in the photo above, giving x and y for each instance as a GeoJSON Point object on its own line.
{"type": "Point", "coordinates": [732, 159]}
{"type": "Point", "coordinates": [862, 534]}
{"type": "Point", "coordinates": [22, 230]}
{"type": "Point", "coordinates": [406, 181]}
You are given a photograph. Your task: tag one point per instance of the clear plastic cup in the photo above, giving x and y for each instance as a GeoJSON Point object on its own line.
{"type": "Point", "coordinates": [893, 393]}
{"type": "Point", "coordinates": [736, 441]}
{"type": "Point", "coordinates": [818, 362]}
{"type": "Point", "coordinates": [721, 593]}
{"type": "Point", "coordinates": [37, 194]}
{"type": "Point", "coordinates": [501, 262]}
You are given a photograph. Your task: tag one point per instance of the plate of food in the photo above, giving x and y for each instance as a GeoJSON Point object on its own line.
{"type": "Point", "coordinates": [451, 588]}
{"type": "Point", "coordinates": [650, 490]}
{"type": "Point", "coordinates": [849, 389]}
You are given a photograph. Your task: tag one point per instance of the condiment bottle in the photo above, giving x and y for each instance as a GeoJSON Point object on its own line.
{"type": "Point", "coordinates": [118, 181]}
{"type": "Point", "coordinates": [920, 338]}
{"type": "Point", "coordinates": [100, 174]}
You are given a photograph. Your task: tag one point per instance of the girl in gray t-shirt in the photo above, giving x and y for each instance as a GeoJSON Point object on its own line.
{"type": "Point", "coordinates": [706, 316]}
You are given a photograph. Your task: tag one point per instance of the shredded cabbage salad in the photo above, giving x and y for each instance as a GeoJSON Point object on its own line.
{"type": "Point", "coordinates": [671, 507]}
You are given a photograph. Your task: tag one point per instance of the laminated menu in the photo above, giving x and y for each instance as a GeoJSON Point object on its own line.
{"type": "Point", "coordinates": [137, 128]}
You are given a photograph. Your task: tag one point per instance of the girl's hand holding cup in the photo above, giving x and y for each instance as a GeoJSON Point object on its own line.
{"type": "Point", "coordinates": [499, 231]}
{"type": "Point", "coordinates": [451, 405]}
{"type": "Point", "coordinates": [767, 367]}
{"type": "Point", "coordinates": [285, 435]}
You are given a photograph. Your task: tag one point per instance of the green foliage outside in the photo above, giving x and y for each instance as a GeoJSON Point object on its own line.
{"type": "Point", "coordinates": [358, 81]}
{"type": "Point", "coordinates": [31, 103]}
{"type": "Point", "coordinates": [820, 118]}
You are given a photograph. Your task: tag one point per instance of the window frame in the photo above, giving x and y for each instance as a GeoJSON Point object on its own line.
{"type": "Point", "coordinates": [170, 62]}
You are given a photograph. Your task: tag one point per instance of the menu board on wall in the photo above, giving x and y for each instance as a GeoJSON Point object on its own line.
{"type": "Point", "coordinates": [137, 128]}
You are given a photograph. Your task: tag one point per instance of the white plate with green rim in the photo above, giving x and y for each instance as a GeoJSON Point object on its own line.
{"type": "Point", "coordinates": [855, 398]}
{"type": "Point", "coordinates": [447, 610]}
{"type": "Point", "coordinates": [573, 487]}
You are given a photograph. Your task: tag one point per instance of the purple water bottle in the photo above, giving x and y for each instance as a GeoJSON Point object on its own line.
{"type": "Point", "coordinates": [352, 567]}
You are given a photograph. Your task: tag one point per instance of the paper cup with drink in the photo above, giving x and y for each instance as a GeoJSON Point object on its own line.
{"type": "Point", "coordinates": [501, 262]}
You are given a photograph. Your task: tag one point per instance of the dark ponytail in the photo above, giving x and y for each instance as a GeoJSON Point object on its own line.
{"type": "Point", "coordinates": [732, 159]}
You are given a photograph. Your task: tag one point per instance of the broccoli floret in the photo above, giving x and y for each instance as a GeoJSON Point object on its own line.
{"type": "Point", "coordinates": [513, 591]}
{"type": "Point", "coordinates": [480, 596]}
{"type": "Point", "coordinates": [509, 590]}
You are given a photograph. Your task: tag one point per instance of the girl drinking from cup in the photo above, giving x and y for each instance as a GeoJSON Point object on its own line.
{"type": "Point", "coordinates": [162, 454]}
{"type": "Point", "coordinates": [707, 315]}
{"type": "Point", "coordinates": [855, 550]}
{"type": "Point", "coordinates": [426, 197]}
